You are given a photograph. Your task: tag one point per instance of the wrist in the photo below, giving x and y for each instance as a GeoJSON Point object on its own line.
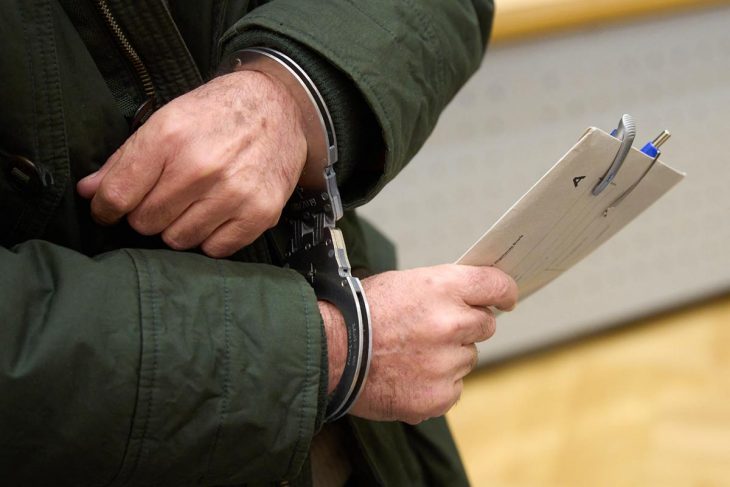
{"type": "Point", "coordinates": [278, 104]}
{"type": "Point", "coordinates": [336, 333]}
{"type": "Point", "coordinates": [315, 121]}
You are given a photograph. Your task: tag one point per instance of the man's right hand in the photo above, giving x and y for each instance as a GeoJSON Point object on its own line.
{"type": "Point", "coordinates": [425, 325]}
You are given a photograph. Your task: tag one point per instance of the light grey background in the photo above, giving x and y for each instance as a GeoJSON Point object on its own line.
{"type": "Point", "coordinates": [525, 107]}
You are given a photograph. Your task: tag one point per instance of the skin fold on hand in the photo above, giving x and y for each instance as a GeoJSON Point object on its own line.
{"type": "Point", "coordinates": [425, 323]}
{"type": "Point", "coordinates": [212, 168]}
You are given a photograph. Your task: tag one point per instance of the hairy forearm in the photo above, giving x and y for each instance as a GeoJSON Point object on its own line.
{"type": "Point", "coordinates": [334, 327]}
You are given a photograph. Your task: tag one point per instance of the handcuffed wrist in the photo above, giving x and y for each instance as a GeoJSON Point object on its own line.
{"type": "Point", "coordinates": [316, 247]}
{"type": "Point", "coordinates": [360, 144]}
{"type": "Point", "coordinates": [316, 122]}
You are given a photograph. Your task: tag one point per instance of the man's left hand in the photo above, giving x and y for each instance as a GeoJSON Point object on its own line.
{"type": "Point", "coordinates": [212, 168]}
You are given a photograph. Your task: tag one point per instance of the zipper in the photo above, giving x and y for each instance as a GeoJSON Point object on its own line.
{"type": "Point", "coordinates": [146, 109]}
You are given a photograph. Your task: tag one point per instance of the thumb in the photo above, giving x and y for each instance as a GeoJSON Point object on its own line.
{"type": "Point", "coordinates": [88, 185]}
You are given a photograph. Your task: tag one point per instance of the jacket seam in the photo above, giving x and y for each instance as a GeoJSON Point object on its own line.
{"type": "Point", "coordinates": [153, 372]}
{"type": "Point", "coordinates": [301, 445]}
{"type": "Point", "coordinates": [433, 39]}
{"type": "Point", "coordinates": [127, 446]}
{"type": "Point", "coordinates": [372, 19]}
{"type": "Point", "coordinates": [54, 151]}
{"type": "Point", "coordinates": [225, 401]}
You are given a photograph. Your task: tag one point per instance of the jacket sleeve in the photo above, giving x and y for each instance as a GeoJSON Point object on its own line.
{"type": "Point", "coordinates": [154, 368]}
{"type": "Point", "coordinates": [407, 59]}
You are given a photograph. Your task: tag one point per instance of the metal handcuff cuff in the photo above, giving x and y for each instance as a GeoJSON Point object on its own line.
{"type": "Point", "coordinates": [316, 247]}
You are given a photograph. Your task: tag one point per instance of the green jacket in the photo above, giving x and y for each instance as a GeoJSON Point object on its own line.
{"type": "Point", "coordinates": [123, 363]}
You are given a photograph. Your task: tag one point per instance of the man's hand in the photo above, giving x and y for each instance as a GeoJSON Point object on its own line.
{"type": "Point", "coordinates": [425, 324]}
{"type": "Point", "coordinates": [213, 167]}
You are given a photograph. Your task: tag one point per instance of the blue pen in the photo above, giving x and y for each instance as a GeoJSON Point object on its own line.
{"type": "Point", "coordinates": [651, 149]}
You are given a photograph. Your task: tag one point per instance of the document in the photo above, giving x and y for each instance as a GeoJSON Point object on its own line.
{"type": "Point", "coordinates": [559, 221]}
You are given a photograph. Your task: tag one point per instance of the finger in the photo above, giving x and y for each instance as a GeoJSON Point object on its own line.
{"type": "Point", "coordinates": [232, 236]}
{"type": "Point", "coordinates": [88, 186]}
{"type": "Point", "coordinates": [132, 174]}
{"type": "Point", "coordinates": [483, 325]}
{"type": "Point", "coordinates": [198, 222]}
{"type": "Point", "coordinates": [458, 389]}
{"type": "Point", "coordinates": [470, 359]}
{"type": "Point", "coordinates": [169, 199]}
{"type": "Point", "coordinates": [489, 286]}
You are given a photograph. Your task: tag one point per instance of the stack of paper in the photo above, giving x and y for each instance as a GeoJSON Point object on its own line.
{"type": "Point", "coordinates": [559, 221]}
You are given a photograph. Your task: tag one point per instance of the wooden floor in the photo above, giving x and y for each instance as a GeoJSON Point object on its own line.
{"type": "Point", "coordinates": [648, 405]}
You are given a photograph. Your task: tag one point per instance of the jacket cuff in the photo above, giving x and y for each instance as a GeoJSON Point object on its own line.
{"type": "Point", "coordinates": [359, 141]}
{"type": "Point", "coordinates": [224, 378]}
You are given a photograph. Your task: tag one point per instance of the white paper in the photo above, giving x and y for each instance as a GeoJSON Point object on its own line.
{"type": "Point", "coordinates": [558, 221]}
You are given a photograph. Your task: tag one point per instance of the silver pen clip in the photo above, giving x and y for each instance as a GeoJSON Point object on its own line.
{"type": "Point", "coordinates": [626, 133]}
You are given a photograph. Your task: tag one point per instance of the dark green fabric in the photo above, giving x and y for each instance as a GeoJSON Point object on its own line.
{"type": "Point", "coordinates": [402, 454]}
{"type": "Point", "coordinates": [122, 363]}
{"type": "Point", "coordinates": [153, 367]}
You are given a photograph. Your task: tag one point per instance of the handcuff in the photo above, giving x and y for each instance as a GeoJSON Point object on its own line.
{"type": "Point", "coordinates": [316, 247]}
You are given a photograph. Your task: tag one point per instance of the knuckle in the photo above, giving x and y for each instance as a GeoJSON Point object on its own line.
{"type": "Point", "coordinates": [243, 232]}
{"type": "Point", "coordinates": [114, 198]}
{"type": "Point", "coordinates": [168, 126]}
{"type": "Point", "coordinates": [174, 240]}
{"type": "Point", "coordinates": [456, 394]}
{"type": "Point", "coordinates": [488, 325]}
{"type": "Point", "coordinates": [441, 398]}
{"type": "Point", "coordinates": [474, 359]}
{"type": "Point", "coordinates": [230, 189]}
{"type": "Point", "coordinates": [263, 215]}
{"type": "Point", "coordinates": [141, 222]}
{"type": "Point", "coordinates": [442, 325]}
{"type": "Point", "coordinates": [490, 328]}
{"type": "Point", "coordinates": [467, 325]}
{"type": "Point", "coordinates": [216, 249]}
{"type": "Point", "coordinates": [445, 402]}
{"type": "Point", "coordinates": [449, 274]}
{"type": "Point", "coordinates": [500, 286]}
{"type": "Point", "coordinates": [413, 419]}
{"type": "Point", "coordinates": [269, 216]}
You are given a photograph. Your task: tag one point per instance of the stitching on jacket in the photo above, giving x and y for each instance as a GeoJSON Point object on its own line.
{"type": "Point", "coordinates": [428, 35]}
{"type": "Point", "coordinates": [429, 32]}
{"type": "Point", "coordinates": [302, 446]}
{"type": "Point", "coordinates": [150, 387]}
{"type": "Point", "coordinates": [373, 19]}
{"type": "Point", "coordinates": [127, 446]}
{"type": "Point", "coordinates": [58, 151]}
{"type": "Point", "coordinates": [222, 414]}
